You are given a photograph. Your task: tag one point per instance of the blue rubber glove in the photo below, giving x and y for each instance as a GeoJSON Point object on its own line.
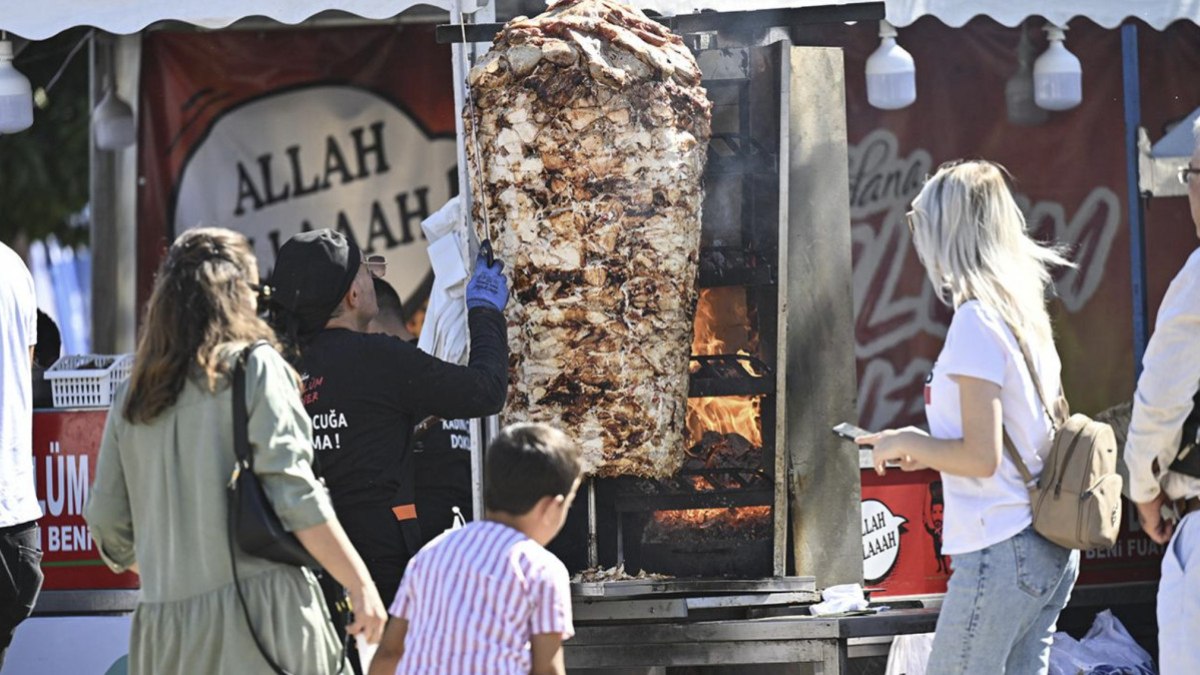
{"type": "Point", "coordinates": [487, 287]}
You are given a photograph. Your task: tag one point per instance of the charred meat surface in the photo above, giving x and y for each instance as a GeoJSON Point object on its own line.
{"type": "Point", "coordinates": [591, 129]}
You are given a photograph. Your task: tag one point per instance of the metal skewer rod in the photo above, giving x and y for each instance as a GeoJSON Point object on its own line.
{"type": "Point", "coordinates": [593, 552]}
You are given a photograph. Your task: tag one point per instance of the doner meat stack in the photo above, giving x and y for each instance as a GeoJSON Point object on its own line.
{"type": "Point", "coordinates": [591, 128]}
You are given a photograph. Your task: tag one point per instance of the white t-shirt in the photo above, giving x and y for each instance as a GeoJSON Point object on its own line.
{"type": "Point", "coordinates": [18, 332]}
{"type": "Point", "coordinates": [984, 511]}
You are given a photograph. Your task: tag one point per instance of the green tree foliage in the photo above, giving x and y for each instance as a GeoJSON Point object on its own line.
{"type": "Point", "coordinates": [44, 169]}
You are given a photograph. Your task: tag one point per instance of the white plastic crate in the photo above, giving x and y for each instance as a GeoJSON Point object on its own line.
{"type": "Point", "coordinates": [88, 380]}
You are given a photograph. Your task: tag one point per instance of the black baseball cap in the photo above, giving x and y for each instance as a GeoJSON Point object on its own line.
{"type": "Point", "coordinates": [313, 272]}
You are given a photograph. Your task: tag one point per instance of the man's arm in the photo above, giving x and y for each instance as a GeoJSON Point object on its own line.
{"type": "Point", "coordinates": [391, 648]}
{"type": "Point", "coordinates": [451, 391]}
{"type": "Point", "coordinates": [1170, 371]}
{"type": "Point", "coordinates": [547, 655]}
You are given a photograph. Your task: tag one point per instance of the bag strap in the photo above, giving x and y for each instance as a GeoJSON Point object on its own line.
{"type": "Point", "coordinates": [245, 458]}
{"type": "Point", "coordinates": [1015, 456]}
{"type": "Point", "coordinates": [1055, 423]}
{"type": "Point", "coordinates": [241, 418]}
{"type": "Point", "coordinates": [241, 448]}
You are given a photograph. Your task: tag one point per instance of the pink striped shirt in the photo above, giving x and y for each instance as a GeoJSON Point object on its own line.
{"type": "Point", "coordinates": [474, 597]}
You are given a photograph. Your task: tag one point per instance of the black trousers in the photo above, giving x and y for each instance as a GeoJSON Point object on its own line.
{"type": "Point", "coordinates": [20, 578]}
{"type": "Point", "coordinates": [385, 545]}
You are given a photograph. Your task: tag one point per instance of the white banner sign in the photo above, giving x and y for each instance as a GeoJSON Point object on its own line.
{"type": "Point", "coordinates": [323, 156]}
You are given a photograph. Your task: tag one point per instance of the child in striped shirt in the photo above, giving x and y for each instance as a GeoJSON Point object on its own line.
{"type": "Point", "coordinates": [489, 598]}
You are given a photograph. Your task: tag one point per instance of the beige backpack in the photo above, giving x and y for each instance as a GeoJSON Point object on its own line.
{"type": "Point", "coordinates": [1077, 500]}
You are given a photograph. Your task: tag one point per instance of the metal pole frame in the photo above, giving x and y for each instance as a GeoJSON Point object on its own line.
{"type": "Point", "coordinates": [462, 56]}
{"type": "Point", "coordinates": [1137, 221]}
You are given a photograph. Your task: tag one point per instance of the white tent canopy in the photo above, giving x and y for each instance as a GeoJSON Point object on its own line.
{"type": "Point", "coordinates": [1108, 13]}
{"type": "Point", "coordinates": [41, 19]}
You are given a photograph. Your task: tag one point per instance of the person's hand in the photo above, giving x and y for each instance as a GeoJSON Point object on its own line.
{"type": "Point", "coordinates": [369, 613]}
{"type": "Point", "coordinates": [487, 287]}
{"type": "Point", "coordinates": [1157, 528]}
{"type": "Point", "coordinates": [895, 446]}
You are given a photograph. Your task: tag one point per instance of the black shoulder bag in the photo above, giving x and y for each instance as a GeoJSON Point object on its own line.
{"type": "Point", "coordinates": [253, 522]}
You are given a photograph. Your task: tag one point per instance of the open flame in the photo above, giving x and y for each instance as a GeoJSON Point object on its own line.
{"type": "Point", "coordinates": [722, 327]}
{"type": "Point", "coordinates": [747, 522]}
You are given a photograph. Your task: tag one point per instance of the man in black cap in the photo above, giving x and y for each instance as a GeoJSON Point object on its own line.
{"type": "Point", "coordinates": [365, 391]}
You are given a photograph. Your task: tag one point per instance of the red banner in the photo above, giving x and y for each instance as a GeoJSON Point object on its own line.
{"type": "Point", "coordinates": [902, 540]}
{"type": "Point", "coordinates": [1070, 176]}
{"type": "Point", "coordinates": [65, 448]}
{"type": "Point", "coordinates": [275, 132]}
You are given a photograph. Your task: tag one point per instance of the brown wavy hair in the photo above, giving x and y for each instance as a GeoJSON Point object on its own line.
{"type": "Point", "coordinates": [203, 299]}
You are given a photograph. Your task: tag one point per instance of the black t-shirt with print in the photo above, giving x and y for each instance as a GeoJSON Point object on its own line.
{"type": "Point", "coordinates": [364, 392]}
{"type": "Point", "coordinates": [442, 460]}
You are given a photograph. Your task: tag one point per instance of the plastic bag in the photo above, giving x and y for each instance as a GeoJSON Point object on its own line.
{"type": "Point", "coordinates": [909, 654]}
{"type": "Point", "coordinates": [1107, 649]}
{"type": "Point", "coordinates": [840, 598]}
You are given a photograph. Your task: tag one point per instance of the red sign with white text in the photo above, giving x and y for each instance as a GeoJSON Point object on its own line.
{"type": "Point", "coordinates": [66, 445]}
{"type": "Point", "coordinates": [902, 540]}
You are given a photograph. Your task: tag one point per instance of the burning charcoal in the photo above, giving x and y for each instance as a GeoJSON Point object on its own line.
{"type": "Point", "coordinates": [699, 526]}
{"type": "Point", "coordinates": [591, 130]}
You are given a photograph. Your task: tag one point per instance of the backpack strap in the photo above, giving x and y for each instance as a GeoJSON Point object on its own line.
{"type": "Point", "coordinates": [1056, 421]}
{"type": "Point", "coordinates": [1015, 456]}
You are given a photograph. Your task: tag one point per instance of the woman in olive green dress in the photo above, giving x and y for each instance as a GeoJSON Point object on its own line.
{"type": "Point", "coordinates": [158, 504]}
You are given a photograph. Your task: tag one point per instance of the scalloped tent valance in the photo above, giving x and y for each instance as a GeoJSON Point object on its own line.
{"type": "Point", "coordinates": [44, 18]}
{"type": "Point", "coordinates": [1108, 13]}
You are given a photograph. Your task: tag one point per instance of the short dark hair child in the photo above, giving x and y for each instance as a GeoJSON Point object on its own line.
{"type": "Point", "coordinates": [525, 463]}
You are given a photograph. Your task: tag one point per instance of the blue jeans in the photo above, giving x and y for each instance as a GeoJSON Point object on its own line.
{"type": "Point", "coordinates": [1001, 607]}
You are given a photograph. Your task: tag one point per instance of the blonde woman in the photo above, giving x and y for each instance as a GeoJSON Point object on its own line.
{"type": "Point", "coordinates": [158, 502]}
{"type": "Point", "coordinates": [1009, 584]}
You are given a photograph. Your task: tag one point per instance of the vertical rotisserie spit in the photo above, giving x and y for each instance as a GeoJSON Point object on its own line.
{"type": "Point", "coordinates": [591, 128]}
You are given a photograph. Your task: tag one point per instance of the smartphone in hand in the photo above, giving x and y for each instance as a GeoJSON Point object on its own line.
{"type": "Point", "coordinates": [850, 432]}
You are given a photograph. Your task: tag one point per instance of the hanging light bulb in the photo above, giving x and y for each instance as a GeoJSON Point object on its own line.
{"type": "Point", "coordinates": [891, 74]}
{"type": "Point", "coordinates": [1018, 91]}
{"type": "Point", "coordinates": [16, 96]}
{"type": "Point", "coordinates": [1057, 75]}
{"type": "Point", "coordinates": [112, 122]}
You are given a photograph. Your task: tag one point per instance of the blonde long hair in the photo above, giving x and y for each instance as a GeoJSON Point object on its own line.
{"type": "Point", "coordinates": [203, 299]}
{"type": "Point", "coordinates": [972, 239]}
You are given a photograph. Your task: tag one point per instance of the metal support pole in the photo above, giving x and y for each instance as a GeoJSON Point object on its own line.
{"type": "Point", "coordinates": [593, 551]}
{"type": "Point", "coordinates": [620, 539]}
{"type": "Point", "coordinates": [1137, 224]}
{"type": "Point", "coordinates": [476, 469]}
